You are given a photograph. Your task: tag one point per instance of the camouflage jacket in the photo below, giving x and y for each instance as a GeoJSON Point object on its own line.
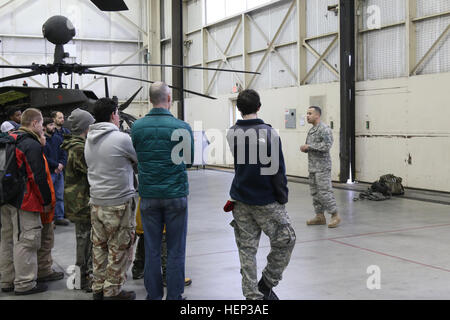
{"type": "Point", "coordinates": [320, 140]}
{"type": "Point", "coordinates": [76, 185]}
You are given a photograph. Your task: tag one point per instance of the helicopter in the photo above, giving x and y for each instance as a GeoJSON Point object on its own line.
{"type": "Point", "coordinates": [59, 30]}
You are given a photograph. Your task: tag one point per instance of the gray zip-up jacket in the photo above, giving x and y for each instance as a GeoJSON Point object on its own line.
{"type": "Point", "coordinates": [110, 157]}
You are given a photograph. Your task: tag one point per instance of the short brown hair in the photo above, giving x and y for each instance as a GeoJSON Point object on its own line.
{"type": "Point", "coordinates": [29, 115]}
{"type": "Point", "coordinates": [47, 120]}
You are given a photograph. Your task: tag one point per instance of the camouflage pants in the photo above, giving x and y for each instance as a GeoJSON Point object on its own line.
{"type": "Point", "coordinates": [322, 192]}
{"type": "Point", "coordinates": [84, 252]}
{"type": "Point", "coordinates": [248, 223]}
{"type": "Point", "coordinates": [113, 233]}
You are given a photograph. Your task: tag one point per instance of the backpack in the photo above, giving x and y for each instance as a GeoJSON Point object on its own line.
{"type": "Point", "coordinates": [382, 189]}
{"type": "Point", "coordinates": [393, 183]}
{"type": "Point", "coordinates": [11, 180]}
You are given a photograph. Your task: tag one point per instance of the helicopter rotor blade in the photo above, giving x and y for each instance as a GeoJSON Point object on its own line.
{"type": "Point", "coordinates": [125, 77]}
{"type": "Point", "coordinates": [4, 66]}
{"type": "Point", "coordinates": [167, 66]}
{"type": "Point", "coordinates": [20, 76]}
{"type": "Point", "coordinates": [129, 101]}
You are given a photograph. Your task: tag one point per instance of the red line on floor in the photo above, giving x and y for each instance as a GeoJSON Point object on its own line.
{"type": "Point", "coordinates": [376, 233]}
{"type": "Point", "coordinates": [391, 256]}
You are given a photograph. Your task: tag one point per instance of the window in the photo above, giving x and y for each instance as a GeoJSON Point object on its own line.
{"type": "Point", "coordinates": [215, 10]}
{"type": "Point", "coordinates": [235, 114]}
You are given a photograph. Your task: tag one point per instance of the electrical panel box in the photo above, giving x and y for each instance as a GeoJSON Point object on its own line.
{"type": "Point", "coordinates": [291, 118]}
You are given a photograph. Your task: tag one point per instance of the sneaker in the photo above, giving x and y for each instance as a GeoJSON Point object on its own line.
{"type": "Point", "coordinates": [187, 282]}
{"type": "Point", "coordinates": [54, 276]}
{"type": "Point", "coordinates": [40, 287]}
{"type": "Point", "coordinates": [123, 295]}
{"type": "Point", "coordinates": [335, 221]}
{"type": "Point", "coordinates": [266, 291]}
{"type": "Point", "coordinates": [318, 220]}
{"type": "Point", "coordinates": [61, 222]}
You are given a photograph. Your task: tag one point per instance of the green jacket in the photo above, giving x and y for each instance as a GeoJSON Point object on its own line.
{"type": "Point", "coordinates": [160, 176]}
{"type": "Point", "coordinates": [76, 185]}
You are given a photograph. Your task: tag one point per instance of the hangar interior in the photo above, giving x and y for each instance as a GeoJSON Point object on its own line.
{"type": "Point", "coordinates": [401, 126]}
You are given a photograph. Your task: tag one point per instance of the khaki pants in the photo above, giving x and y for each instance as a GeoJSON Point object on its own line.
{"type": "Point", "coordinates": [20, 242]}
{"type": "Point", "coordinates": [44, 254]}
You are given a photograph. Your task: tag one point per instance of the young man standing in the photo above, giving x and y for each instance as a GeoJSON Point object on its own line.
{"type": "Point", "coordinates": [57, 159]}
{"type": "Point", "coordinates": [110, 158]}
{"type": "Point", "coordinates": [76, 192]}
{"type": "Point", "coordinates": [14, 116]}
{"type": "Point", "coordinates": [44, 255]}
{"type": "Point", "coordinates": [21, 220]}
{"type": "Point", "coordinates": [163, 187]}
{"type": "Point", "coordinates": [318, 145]}
{"type": "Point", "coordinates": [260, 192]}
{"type": "Point", "coordinates": [58, 120]}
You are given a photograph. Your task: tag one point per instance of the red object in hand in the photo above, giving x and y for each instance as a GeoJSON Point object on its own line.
{"type": "Point", "coordinates": [229, 206]}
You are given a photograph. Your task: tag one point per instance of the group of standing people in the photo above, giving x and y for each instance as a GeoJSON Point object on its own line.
{"type": "Point", "coordinates": [100, 165]}
{"type": "Point", "coordinates": [27, 235]}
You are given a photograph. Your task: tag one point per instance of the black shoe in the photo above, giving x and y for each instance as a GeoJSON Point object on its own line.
{"type": "Point", "coordinates": [97, 295]}
{"type": "Point", "coordinates": [123, 295]}
{"type": "Point", "coordinates": [40, 287]}
{"type": "Point", "coordinates": [6, 290]}
{"type": "Point", "coordinates": [55, 276]}
{"type": "Point", "coordinates": [86, 288]}
{"type": "Point", "coordinates": [61, 222]}
{"type": "Point", "coordinates": [266, 291]}
{"type": "Point", "coordinates": [137, 274]}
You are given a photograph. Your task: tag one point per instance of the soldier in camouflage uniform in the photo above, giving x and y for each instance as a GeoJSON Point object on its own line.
{"type": "Point", "coordinates": [76, 193]}
{"type": "Point", "coordinates": [318, 145]}
{"type": "Point", "coordinates": [259, 202]}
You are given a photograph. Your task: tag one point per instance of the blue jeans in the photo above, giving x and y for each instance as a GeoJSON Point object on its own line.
{"type": "Point", "coordinates": [173, 213]}
{"type": "Point", "coordinates": [58, 184]}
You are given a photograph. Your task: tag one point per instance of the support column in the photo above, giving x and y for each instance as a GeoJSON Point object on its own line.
{"type": "Point", "coordinates": [347, 74]}
{"type": "Point", "coordinates": [301, 16]}
{"type": "Point", "coordinates": [177, 56]}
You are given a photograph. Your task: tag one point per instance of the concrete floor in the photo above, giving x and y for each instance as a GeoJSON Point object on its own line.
{"type": "Point", "coordinates": [407, 239]}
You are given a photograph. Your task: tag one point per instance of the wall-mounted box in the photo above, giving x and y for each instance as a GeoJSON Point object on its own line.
{"type": "Point", "coordinates": [291, 118]}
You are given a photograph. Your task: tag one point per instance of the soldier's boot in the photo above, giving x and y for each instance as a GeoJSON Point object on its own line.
{"type": "Point", "coordinates": [266, 291]}
{"type": "Point", "coordinates": [319, 219]}
{"type": "Point", "coordinates": [137, 271]}
{"type": "Point", "coordinates": [335, 220]}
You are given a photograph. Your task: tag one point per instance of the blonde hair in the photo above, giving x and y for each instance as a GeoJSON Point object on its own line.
{"type": "Point", "coordinates": [29, 115]}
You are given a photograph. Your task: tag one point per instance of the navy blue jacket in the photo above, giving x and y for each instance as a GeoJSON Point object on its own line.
{"type": "Point", "coordinates": [250, 184]}
{"type": "Point", "coordinates": [53, 151]}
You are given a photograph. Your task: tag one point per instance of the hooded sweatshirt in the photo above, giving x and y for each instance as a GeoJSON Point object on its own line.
{"type": "Point", "coordinates": [76, 185]}
{"type": "Point", "coordinates": [110, 157]}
